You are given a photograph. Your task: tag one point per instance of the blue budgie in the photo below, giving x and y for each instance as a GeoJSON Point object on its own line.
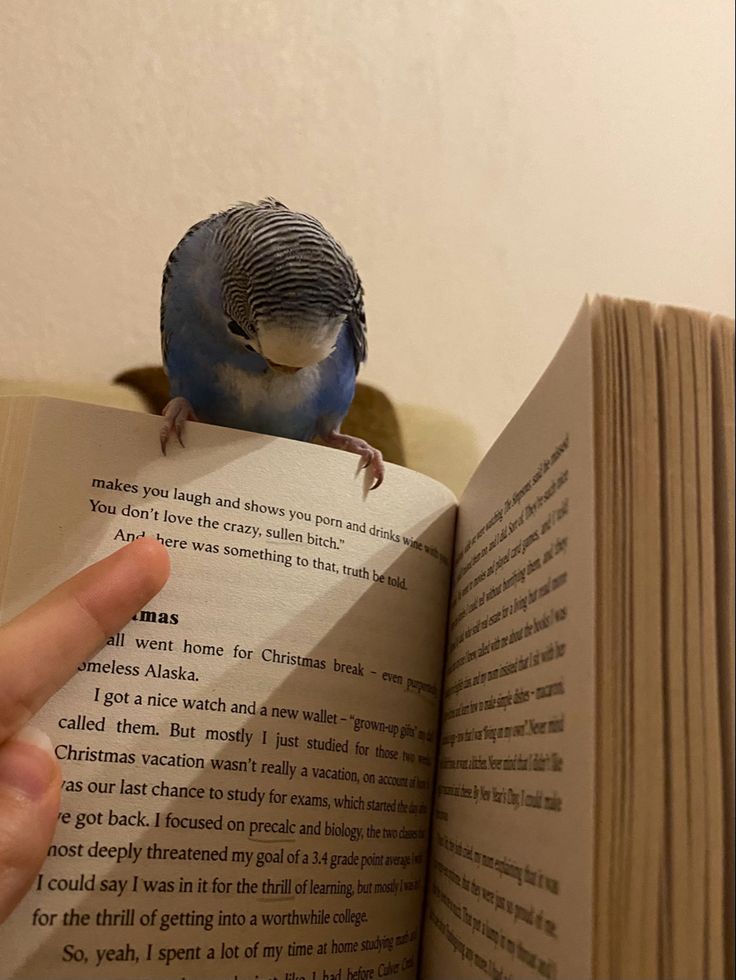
{"type": "Point", "coordinates": [263, 328]}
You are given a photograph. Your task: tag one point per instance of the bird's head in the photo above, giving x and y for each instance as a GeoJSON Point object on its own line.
{"type": "Point", "coordinates": [288, 286]}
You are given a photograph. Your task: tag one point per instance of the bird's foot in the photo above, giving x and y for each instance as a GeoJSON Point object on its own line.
{"type": "Point", "coordinates": [175, 415]}
{"type": "Point", "coordinates": [372, 458]}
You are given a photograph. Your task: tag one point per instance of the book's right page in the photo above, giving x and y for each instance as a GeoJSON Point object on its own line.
{"type": "Point", "coordinates": [722, 351]}
{"type": "Point", "coordinates": [511, 876]}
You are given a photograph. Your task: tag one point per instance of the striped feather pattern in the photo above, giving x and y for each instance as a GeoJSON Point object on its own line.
{"type": "Point", "coordinates": [282, 263]}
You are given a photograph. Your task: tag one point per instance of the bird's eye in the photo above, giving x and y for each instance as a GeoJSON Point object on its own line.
{"type": "Point", "coordinates": [235, 328]}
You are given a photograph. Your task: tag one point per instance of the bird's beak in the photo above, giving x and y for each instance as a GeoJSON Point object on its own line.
{"type": "Point", "coordinates": [281, 368]}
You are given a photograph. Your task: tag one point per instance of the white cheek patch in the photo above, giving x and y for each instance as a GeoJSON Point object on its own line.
{"type": "Point", "coordinates": [308, 344]}
{"type": "Point", "coordinates": [280, 392]}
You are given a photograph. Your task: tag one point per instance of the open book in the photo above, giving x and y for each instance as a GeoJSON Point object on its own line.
{"type": "Point", "coordinates": [364, 735]}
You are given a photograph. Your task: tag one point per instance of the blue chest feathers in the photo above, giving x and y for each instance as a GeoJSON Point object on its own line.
{"type": "Point", "coordinates": [227, 384]}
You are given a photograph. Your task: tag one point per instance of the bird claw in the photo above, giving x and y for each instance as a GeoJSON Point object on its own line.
{"type": "Point", "coordinates": [370, 458]}
{"type": "Point", "coordinates": [175, 415]}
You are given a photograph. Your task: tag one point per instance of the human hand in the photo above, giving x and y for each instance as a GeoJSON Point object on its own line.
{"type": "Point", "coordinates": [39, 651]}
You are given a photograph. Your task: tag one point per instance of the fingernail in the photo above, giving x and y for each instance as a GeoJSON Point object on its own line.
{"type": "Point", "coordinates": [27, 763]}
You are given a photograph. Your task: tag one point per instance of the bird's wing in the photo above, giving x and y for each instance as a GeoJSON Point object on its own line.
{"type": "Point", "coordinates": [357, 326]}
{"type": "Point", "coordinates": [166, 281]}
{"type": "Point", "coordinates": [170, 269]}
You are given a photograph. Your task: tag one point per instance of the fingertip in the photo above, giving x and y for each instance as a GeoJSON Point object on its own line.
{"type": "Point", "coordinates": [121, 584]}
{"type": "Point", "coordinates": [152, 561]}
{"type": "Point", "coordinates": [146, 565]}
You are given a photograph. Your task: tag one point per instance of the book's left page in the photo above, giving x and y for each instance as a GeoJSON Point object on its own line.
{"type": "Point", "coordinates": [247, 765]}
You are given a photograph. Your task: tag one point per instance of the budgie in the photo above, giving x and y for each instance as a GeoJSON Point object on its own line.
{"type": "Point", "coordinates": [263, 328]}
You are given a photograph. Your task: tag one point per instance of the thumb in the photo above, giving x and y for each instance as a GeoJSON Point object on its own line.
{"type": "Point", "coordinates": [30, 784]}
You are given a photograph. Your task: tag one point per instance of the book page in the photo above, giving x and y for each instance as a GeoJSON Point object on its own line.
{"type": "Point", "coordinates": [722, 349]}
{"type": "Point", "coordinates": [248, 765]}
{"type": "Point", "coordinates": [696, 865]}
{"type": "Point", "coordinates": [511, 872]}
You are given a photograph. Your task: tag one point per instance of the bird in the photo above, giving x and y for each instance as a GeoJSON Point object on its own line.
{"type": "Point", "coordinates": [263, 328]}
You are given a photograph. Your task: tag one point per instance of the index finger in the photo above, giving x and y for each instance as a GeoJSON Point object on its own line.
{"type": "Point", "coordinates": [42, 647]}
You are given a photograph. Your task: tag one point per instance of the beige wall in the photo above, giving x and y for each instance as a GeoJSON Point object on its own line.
{"type": "Point", "coordinates": [485, 163]}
